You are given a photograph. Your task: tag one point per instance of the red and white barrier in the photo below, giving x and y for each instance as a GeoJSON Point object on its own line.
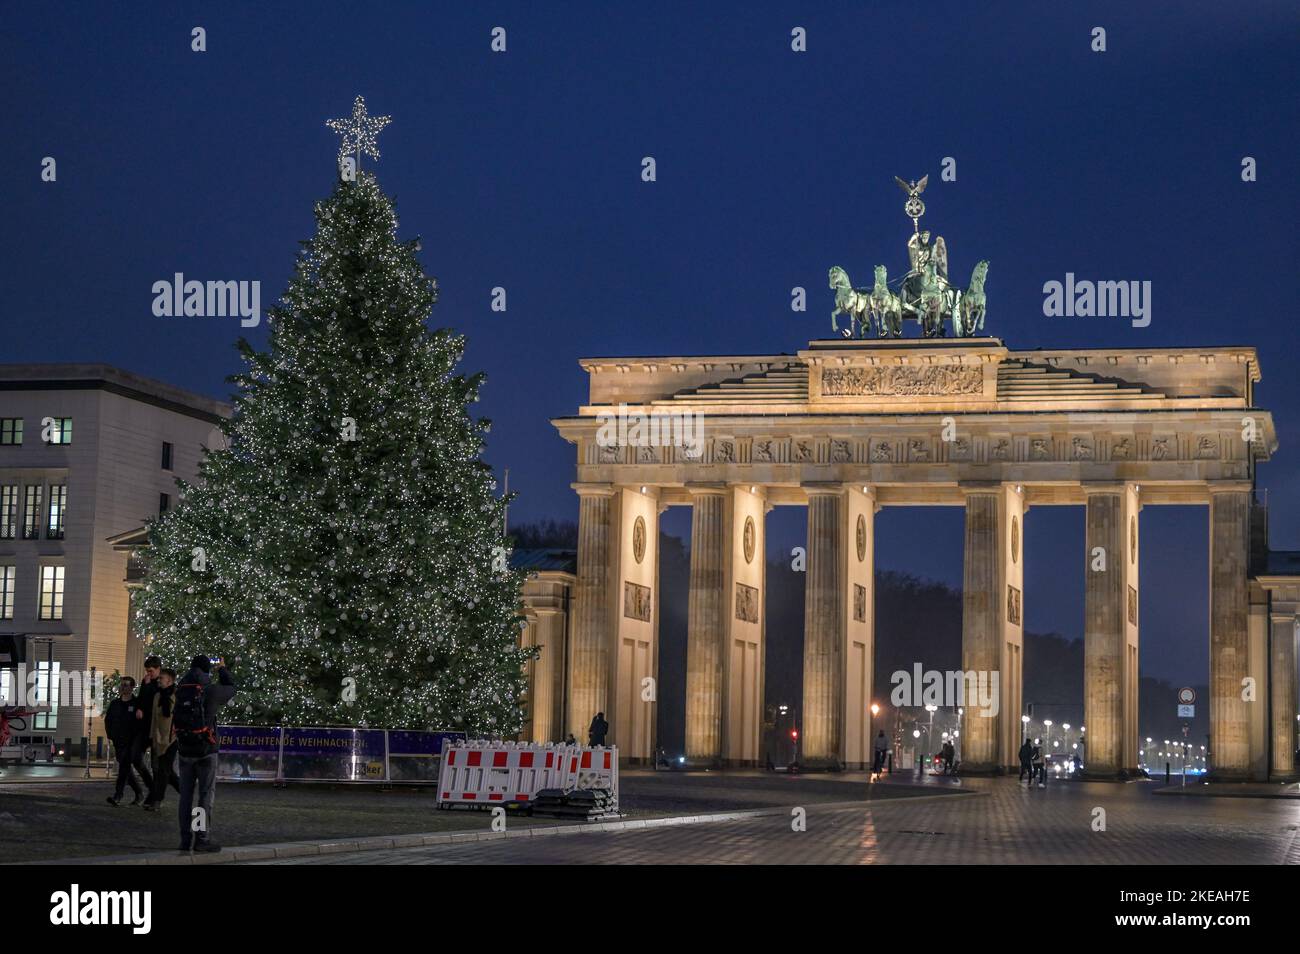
{"type": "Point", "coordinates": [482, 773]}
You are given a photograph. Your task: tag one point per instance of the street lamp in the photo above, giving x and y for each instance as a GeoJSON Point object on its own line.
{"type": "Point", "coordinates": [929, 732]}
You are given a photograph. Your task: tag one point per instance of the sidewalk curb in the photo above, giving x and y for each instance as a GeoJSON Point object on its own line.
{"type": "Point", "coordinates": [302, 849]}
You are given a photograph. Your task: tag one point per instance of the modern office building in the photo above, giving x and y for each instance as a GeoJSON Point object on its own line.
{"type": "Point", "coordinates": [87, 452]}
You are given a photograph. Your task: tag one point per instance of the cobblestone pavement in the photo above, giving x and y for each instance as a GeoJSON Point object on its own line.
{"type": "Point", "coordinates": [1005, 824]}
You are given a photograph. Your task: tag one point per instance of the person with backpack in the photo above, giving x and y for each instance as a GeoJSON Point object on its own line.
{"type": "Point", "coordinates": [162, 747]}
{"type": "Point", "coordinates": [194, 722]}
{"type": "Point", "coordinates": [1040, 768]}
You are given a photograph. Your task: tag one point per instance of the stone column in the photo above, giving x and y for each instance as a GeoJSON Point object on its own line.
{"type": "Point", "coordinates": [1129, 750]}
{"type": "Point", "coordinates": [528, 731]}
{"type": "Point", "coordinates": [1104, 634]}
{"type": "Point", "coordinates": [706, 625]}
{"type": "Point", "coordinates": [1282, 695]}
{"type": "Point", "coordinates": [981, 620]}
{"type": "Point", "coordinates": [1259, 669]}
{"type": "Point", "coordinates": [744, 604]}
{"type": "Point", "coordinates": [823, 629]}
{"type": "Point", "coordinates": [1230, 756]}
{"type": "Point", "coordinates": [593, 609]}
{"type": "Point", "coordinates": [549, 630]}
{"type": "Point", "coordinates": [630, 709]}
{"type": "Point", "coordinates": [859, 616]}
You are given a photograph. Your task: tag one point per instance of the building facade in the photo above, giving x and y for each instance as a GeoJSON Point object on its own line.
{"type": "Point", "coordinates": [86, 452]}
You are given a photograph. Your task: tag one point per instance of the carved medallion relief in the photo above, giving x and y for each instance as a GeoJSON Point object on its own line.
{"type": "Point", "coordinates": [638, 539]}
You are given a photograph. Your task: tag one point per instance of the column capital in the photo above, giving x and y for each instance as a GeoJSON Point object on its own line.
{"type": "Point", "coordinates": [974, 488]}
{"type": "Point", "coordinates": [706, 488]}
{"type": "Point", "coordinates": [593, 489]}
{"type": "Point", "coordinates": [823, 488]}
{"type": "Point", "coordinates": [1090, 487]}
{"type": "Point", "coordinates": [1229, 487]}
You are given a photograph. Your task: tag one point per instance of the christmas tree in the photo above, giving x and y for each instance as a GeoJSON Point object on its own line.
{"type": "Point", "coordinates": [344, 552]}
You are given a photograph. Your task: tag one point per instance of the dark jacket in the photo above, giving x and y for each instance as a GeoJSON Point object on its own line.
{"type": "Point", "coordinates": [1026, 753]}
{"type": "Point", "coordinates": [144, 698]}
{"type": "Point", "coordinates": [596, 734]}
{"type": "Point", "coordinates": [120, 724]}
{"type": "Point", "coordinates": [215, 695]}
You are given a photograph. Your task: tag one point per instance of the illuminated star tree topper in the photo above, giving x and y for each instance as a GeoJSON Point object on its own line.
{"type": "Point", "coordinates": [358, 132]}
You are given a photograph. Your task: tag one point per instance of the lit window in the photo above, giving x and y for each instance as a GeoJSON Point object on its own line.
{"type": "Point", "coordinates": [8, 574]}
{"type": "Point", "coordinates": [51, 593]}
{"type": "Point", "coordinates": [8, 511]}
{"type": "Point", "coordinates": [46, 692]}
{"type": "Point", "coordinates": [11, 430]}
{"type": "Point", "coordinates": [58, 506]}
{"type": "Point", "coordinates": [32, 512]}
{"type": "Point", "coordinates": [59, 429]}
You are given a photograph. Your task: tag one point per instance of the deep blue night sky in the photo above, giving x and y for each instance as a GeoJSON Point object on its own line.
{"type": "Point", "coordinates": [523, 170]}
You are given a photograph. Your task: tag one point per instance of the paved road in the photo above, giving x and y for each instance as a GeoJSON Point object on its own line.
{"type": "Point", "coordinates": [1006, 824]}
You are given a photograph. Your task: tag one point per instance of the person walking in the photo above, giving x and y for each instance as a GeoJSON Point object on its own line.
{"type": "Point", "coordinates": [1040, 767]}
{"type": "Point", "coordinates": [121, 726]}
{"type": "Point", "coordinates": [141, 756]}
{"type": "Point", "coordinates": [881, 746]}
{"type": "Point", "coordinates": [162, 747]}
{"type": "Point", "coordinates": [1027, 760]}
{"type": "Point", "coordinates": [599, 729]}
{"type": "Point", "coordinates": [949, 753]}
{"type": "Point", "coordinates": [194, 718]}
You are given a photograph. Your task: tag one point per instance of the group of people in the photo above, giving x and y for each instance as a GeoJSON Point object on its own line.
{"type": "Point", "coordinates": [175, 722]}
{"type": "Point", "coordinates": [1033, 763]}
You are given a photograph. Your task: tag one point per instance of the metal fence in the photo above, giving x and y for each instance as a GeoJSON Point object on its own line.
{"type": "Point", "coordinates": [328, 754]}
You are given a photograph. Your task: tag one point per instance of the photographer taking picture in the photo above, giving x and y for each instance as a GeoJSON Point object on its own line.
{"type": "Point", "coordinates": [194, 721]}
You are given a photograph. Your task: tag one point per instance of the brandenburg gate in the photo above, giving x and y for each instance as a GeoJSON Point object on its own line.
{"type": "Point", "coordinates": [846, 427]}
{"type": "Point", "coordinates": [853, 424]}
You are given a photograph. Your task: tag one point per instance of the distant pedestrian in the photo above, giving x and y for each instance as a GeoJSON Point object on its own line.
{"type": "Point", "coordinates": [949, 753]}
{"type": "Point", "coordinates": [881, 746]}
{"type": "Point", "coordinates": [1040, 767]}
{"type": "Point", "coordinates": [599, 729]}
{"type": "Point", "coordinates": [194, 718]}
{"type": "Point", "coordinates": [162, 747]}
{"type": "Point", "coordinates": [569, 740]}
{"type": "Point", "coordinates": [1027, 761]}
{"type": "Point", "coordinates": [121, 725]}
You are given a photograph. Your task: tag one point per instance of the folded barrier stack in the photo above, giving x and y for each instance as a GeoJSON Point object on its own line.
{"type": "Point", "coordinates": [555, 778]}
